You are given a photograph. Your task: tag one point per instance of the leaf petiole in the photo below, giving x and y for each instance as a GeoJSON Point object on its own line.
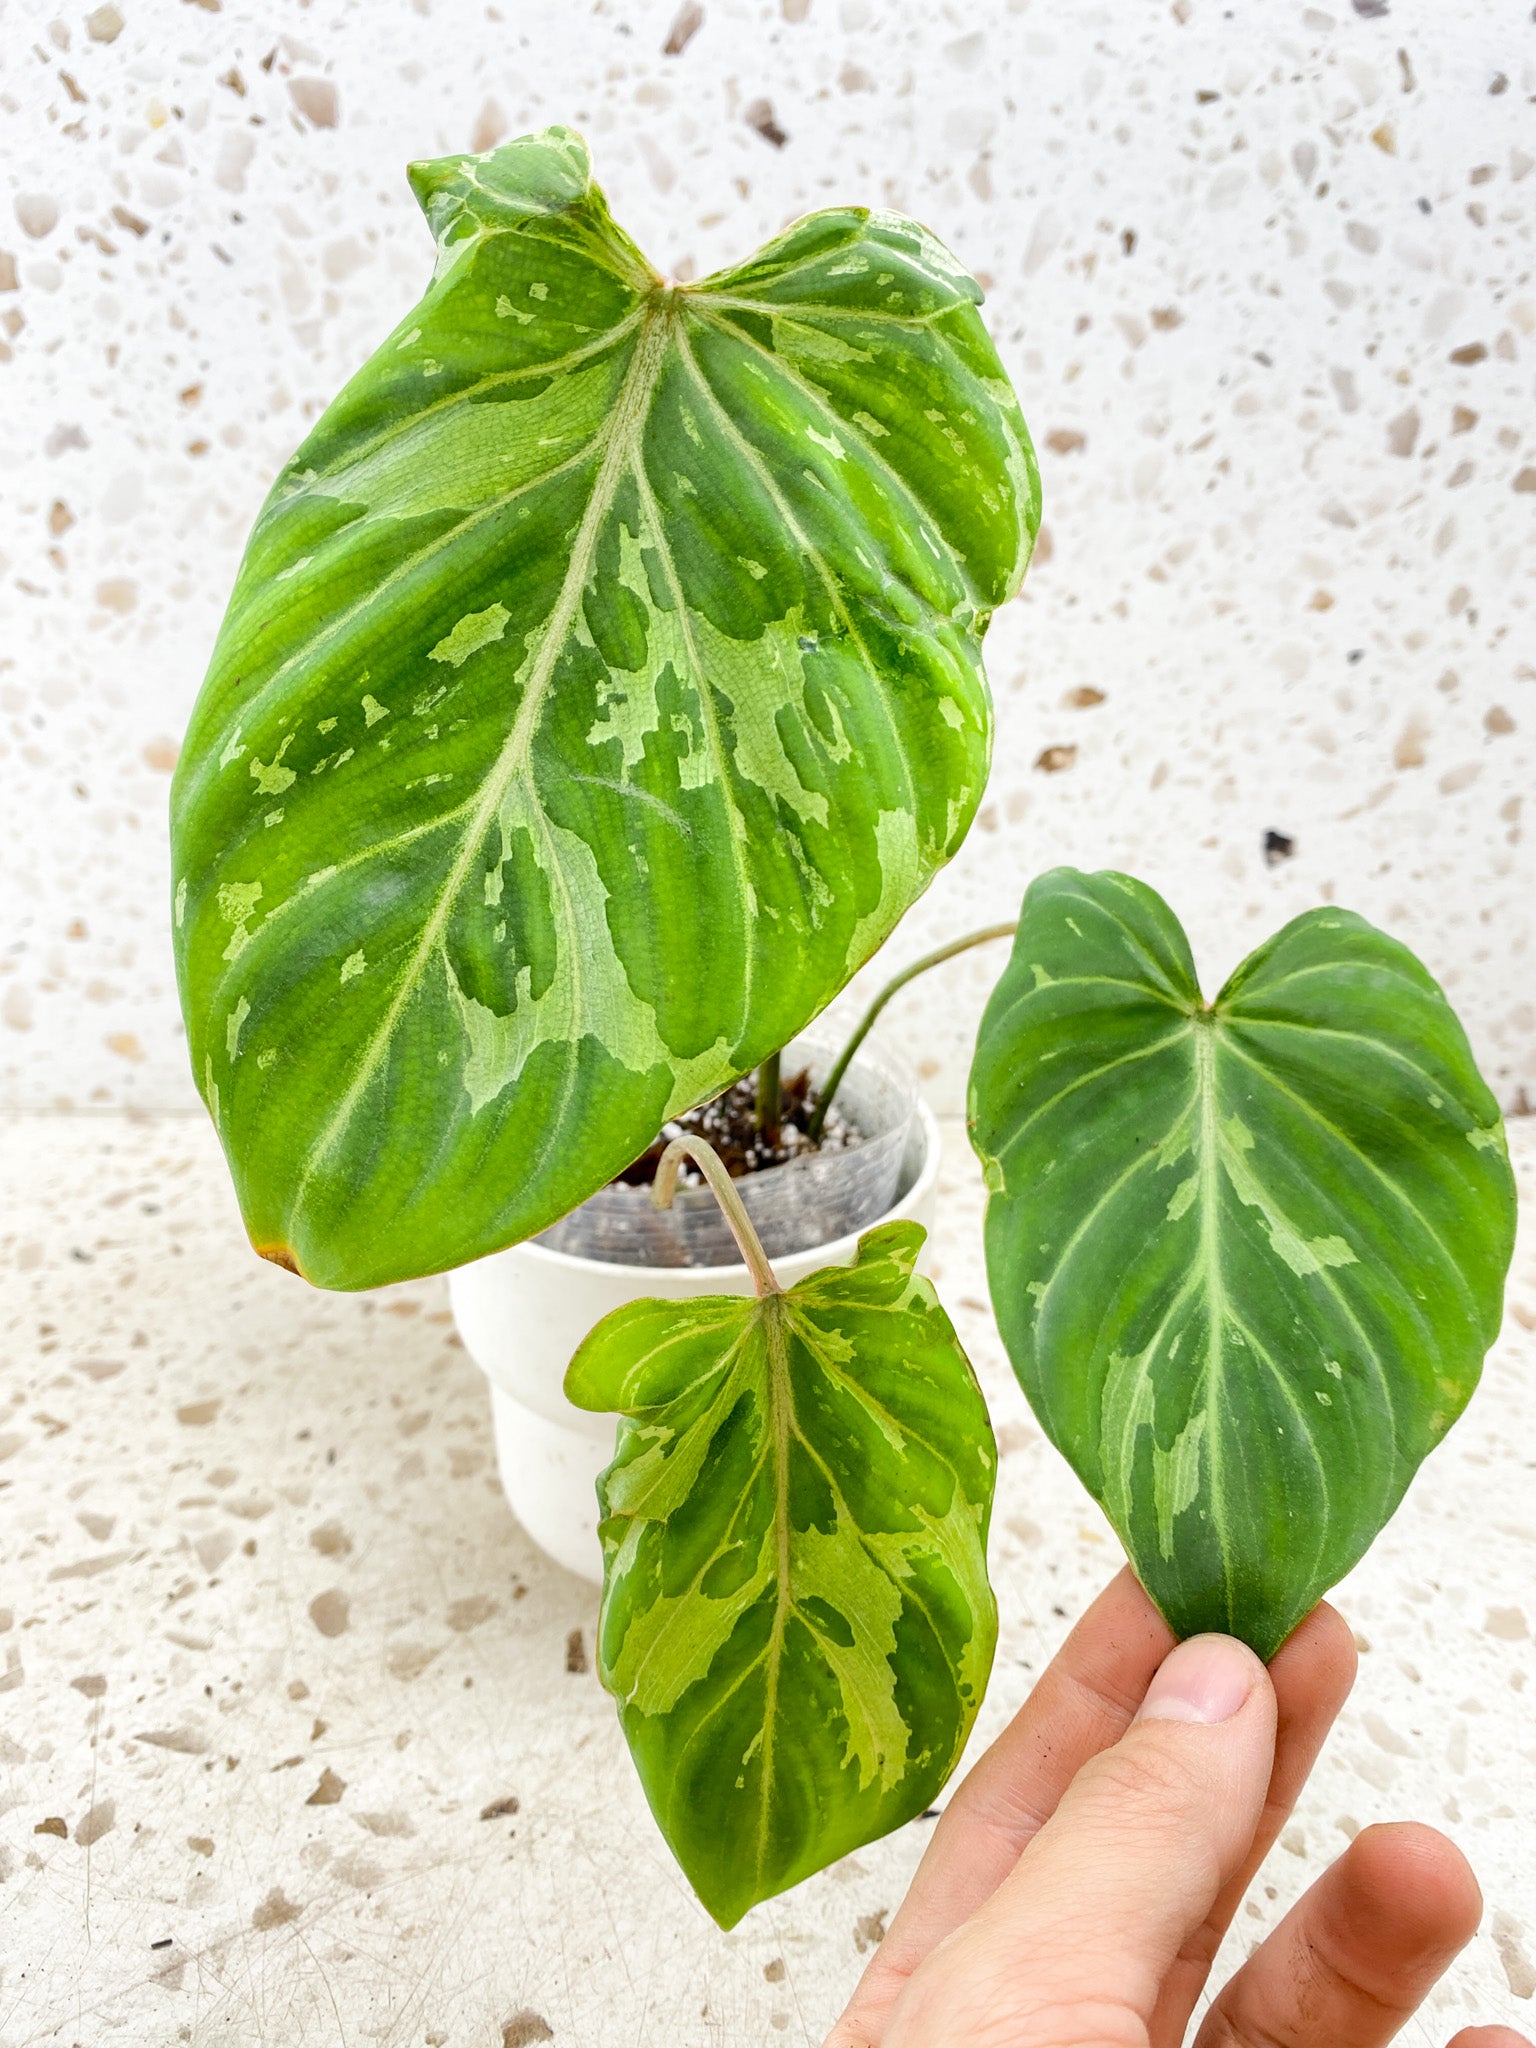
{"type": "Point", "coordinates": [893, 987]}
{"type": "Point", "coordinates": [767, 1103]}
{"type": "Point", "coordinates": [710, 1164]}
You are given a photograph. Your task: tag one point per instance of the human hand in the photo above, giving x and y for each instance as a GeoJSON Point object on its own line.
{"type": "Point", "coordinates": [1079, 1883]}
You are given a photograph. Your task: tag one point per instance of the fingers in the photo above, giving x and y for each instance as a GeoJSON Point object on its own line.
{"type": "Point", "coordinates": [1312, 1675]}
{"type": "Point", "coordinates": [1084, 1701]}
{"type": "Point", "coordinates": [1359, 1953]}
{"type": "Point", "coordinates": [1489, 2037]}
{"type": "Point", "coordinates": [1082, 1704]}
{"type": "Point", "coordinates": [1077, 1940]}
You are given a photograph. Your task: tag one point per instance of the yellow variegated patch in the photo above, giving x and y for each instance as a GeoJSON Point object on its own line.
{"type": "Point", "coordinates": [796, 1619]}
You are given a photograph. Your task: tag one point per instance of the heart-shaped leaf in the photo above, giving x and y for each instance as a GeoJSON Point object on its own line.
{"type": "Point", "coordinates": [602, 682]}
{"type": "Point", "coordinates": [796, 1618]}
{"type": "Point", "coordinates": [1246, 1257]}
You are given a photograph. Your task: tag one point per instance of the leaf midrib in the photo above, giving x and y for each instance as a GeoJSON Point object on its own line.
{"type": "Point", "coordinates": [629, 413]}
{"type": "Point", "coordinates": [780, 1403]}
{"type": "Point", "coordinates": [1210, 1260]}
{"type": "Point", "coordinates": [778, 1318]}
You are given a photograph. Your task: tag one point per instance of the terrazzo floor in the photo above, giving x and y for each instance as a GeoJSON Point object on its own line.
{"type": "Point", "coordinates": [299, 1736]}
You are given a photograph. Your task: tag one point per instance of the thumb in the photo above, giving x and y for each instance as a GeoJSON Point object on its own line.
{"type": "Point", "coordinates": [1077, 1940]}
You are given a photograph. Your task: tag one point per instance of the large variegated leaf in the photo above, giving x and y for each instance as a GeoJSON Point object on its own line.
{"type": "Point", "coordinates": [1246, 1256]}
{"type": "Point", "coordinates": [602, 682]}
{"type": "Point", "coordinates": [796, 1618]}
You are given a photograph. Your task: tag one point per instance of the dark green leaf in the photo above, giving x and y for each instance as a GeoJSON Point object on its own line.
{"type": "Point", "coordinates": [602, 682]}
{"type": "Point", "coordinates": [1247, 1258]}
{"type": "Point", "coordinates": [796, 1619]}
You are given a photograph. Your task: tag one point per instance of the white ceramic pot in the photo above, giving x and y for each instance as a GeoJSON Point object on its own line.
{"type": "Point", "coordinates": [523, 1312]}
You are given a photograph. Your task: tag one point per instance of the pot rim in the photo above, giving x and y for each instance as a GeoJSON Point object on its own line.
{"type": "Point", "coordinates": [834, 1251]}
{"type": "Point", "coordinates": [818, 1051]}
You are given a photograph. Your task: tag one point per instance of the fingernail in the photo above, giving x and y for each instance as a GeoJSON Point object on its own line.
{"type": "Point", "coordinates": [1206, 1679]}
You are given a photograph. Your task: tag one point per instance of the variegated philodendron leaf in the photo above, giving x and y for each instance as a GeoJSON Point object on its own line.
{"type": "Point", "coordinates": [796, 1620]}
{"type": "Point", "coordinates": [1246, 1256]}
{"type": "Point", "coordinates": [602, 682]}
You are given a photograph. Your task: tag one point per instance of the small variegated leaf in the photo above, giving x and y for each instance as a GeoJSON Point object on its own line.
{"type": "Point", "coordinates": [796, 1621]}
{"type": "Point", "coordinates": [1247, 1257]}
{"type": "Point", "coordinates": [602, 682]}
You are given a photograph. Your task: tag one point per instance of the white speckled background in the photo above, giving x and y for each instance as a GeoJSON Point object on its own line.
{"type": "Point", "coordinates": [269, 1641]}
{"type": "Point", "coordinates": [1263, 276]}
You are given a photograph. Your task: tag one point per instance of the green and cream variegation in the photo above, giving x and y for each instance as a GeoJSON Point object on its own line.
{"type": "Point", "coordinates": [796, 1618]}
{"type": "Point", "coordinates": [1246, 1257]}
{"type": "Point", "coordinates": [602, 682]}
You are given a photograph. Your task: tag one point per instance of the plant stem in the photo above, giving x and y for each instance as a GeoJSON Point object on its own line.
{"type": "Point", "coordinates": [897, 982]}
{"type": "Point", "coordinates": [767, 1105]}
{"type": "Point", "coordinates": [710, 1164]}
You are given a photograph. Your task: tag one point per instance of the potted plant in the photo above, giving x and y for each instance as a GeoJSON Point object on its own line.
{"type": "Point", "coordinates": [601, 684]}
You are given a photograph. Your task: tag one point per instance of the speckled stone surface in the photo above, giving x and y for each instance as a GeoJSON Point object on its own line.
{"type": "Point", "coordinates": [1263, 276]}
{"type": "Point", "coordinates": [299, 1740]}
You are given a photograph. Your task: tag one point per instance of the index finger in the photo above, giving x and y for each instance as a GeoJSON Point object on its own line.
{"type": "Point", "coordinates": [1312, 1673]}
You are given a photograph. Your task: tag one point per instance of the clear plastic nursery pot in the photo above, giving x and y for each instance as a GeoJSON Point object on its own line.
{"type": "Point", "coordinates": [523, 1312]}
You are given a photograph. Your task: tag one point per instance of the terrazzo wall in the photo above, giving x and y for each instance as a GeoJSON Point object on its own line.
{"type": "Point", "coordinates": [1262, 274]}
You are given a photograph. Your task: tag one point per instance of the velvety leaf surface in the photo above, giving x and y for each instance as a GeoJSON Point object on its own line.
{"type": "Point", "coordinates": [1246, 1258]}
{"type": "Point", "coordinates": [796, 1618]}
{"type": "Point", "coordinates": [601, 683]}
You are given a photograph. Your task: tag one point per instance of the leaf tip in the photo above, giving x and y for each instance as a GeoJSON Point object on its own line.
{"type": "Point", "coordinates": [539, 173]}
{"type": "Point", "coordinates": [897, 1243]}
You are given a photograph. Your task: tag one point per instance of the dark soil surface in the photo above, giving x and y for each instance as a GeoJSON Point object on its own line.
{"type": "Point", "coordinates": [730, 1125]}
